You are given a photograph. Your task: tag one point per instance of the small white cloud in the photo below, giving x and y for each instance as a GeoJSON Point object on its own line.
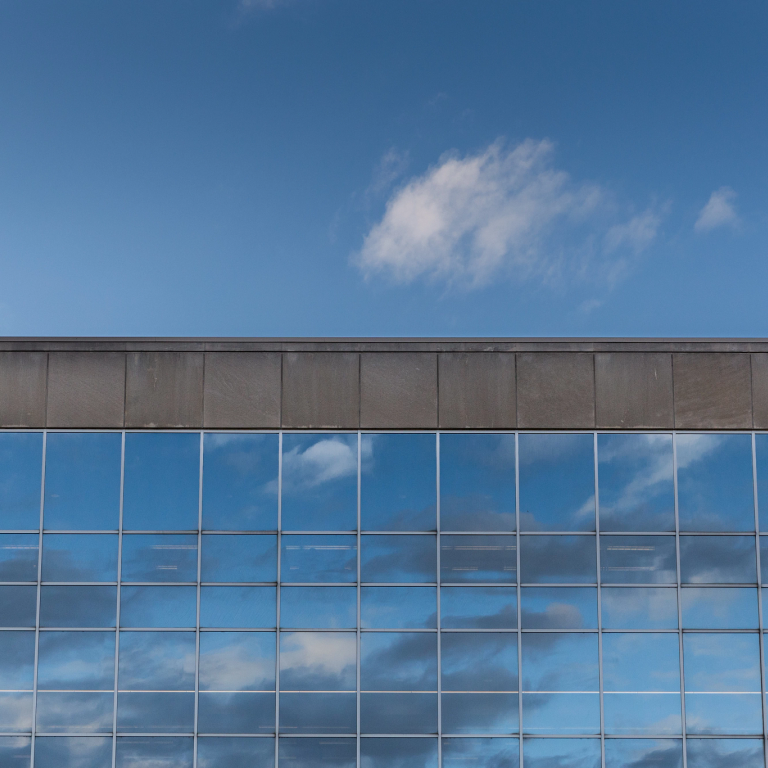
{"type": "Point", "coordinates": [637, 234]}
{"type": "Point", "coordinates": [718, 212]}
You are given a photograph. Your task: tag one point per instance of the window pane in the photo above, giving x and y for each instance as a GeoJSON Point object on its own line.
{"type": "Point", "coordinates": [561, 713]}
{"type": "Point", "coordinates": [74, 712]}
{"type": "Point", "coordinates": [78, 606]}
{"type": "Point", "coordinates": [558, 559]}
{"type": "Point", "coordinates": [155, 712]}
{"type": "Point", "coordinates": [79, 557]}
{"type": "Point", "coordinates": [399, 482]}
{"type": "Point", "coordinates": [157, 661]}
{"type": "Point", "coordinates": [486, 713]}
{"type": "Point", "coordinates": [230, 712]}
{"type": "Point", "coordinates": [636, 482]}
{"type": "Point", "coordinates": [246, 607]}
{"type": "Point", "coordinates": [557, 483]}
{"type": "Point", "coordinates": [563, 753]}
{"type": "Point", "coordinates": [639, 608]}
{"type": "Point", "coordinates": [21, 474]}
{"type": "Point", "coordinates": [319, 482]}
{"type": "Point", "coordinates": [398, 608]}
{"type": "Point", "coordinates": [73, 752]}
{"type": "Point", "coordinates": [82, 481]}
{"type": "Point", "coordinates": [159, 558]}
{"type": "Point", "coordinates": [16, 712]}
{"type": "Point", "coordinates": [459, 753]}
{"type": "Point", "coordinates": [714, 483]}
{"type": "Point", "coordinates": [319, 559]}
{"type": "Point", "coordinates": [15, 752]}
{"type": "Point", "coordinates": [318, 753]}
{"type": "Point", "coordinates": [398, 661]}
{"type": "Point", "coordinates": [240, 482]}
{"type": "Point", "coordinates": [559, 607]}
{"type": "Point", "coordinates": [318, 607]}
{"type": "Point", "coordinates": [560, 662]}
{"type": "Point", "coordinates": [76, 661]}
{"type": "Point", "coordinates": [719, 608]}
{"type": "Point", "coordinates": [158, 606]}
{"type": "Point", "coordinates": [641, 662]}
{"type": "Point", "coordinates": [318, 712]}
{"type": "Point", "coordinates": [721, 662]}
{"type": "Point", "coordinates": [18, 556]}
{"type": "Point", "coordinates": [162, 485]}
{"type": "Point", "coordinates": [239, 558]}
{"type": "Point", "coordinates": [638, 560]}
{"type": "Point", "coordinates": [477, 482]}
{"type": "Point", "coordinates": [478, 558]}
{"type": "Point", "coordinates": [478, 607]}
{"type": "Point", "coordinates": [18, 606]}
{"type": "Point", "coordinates": [398, 712]}
{"type": "Point", "coordinates": [399, 753]}
{"type": "Point", "coordinates": [168, 752]}
{"type": "Point", "coordinates": [658, 753]}
{"type": "Point", "coordinates": [761, 459]}
{"type": "Point", "coordinates": [399, 559]}
{"type": "Point", "coordinates": [484, 661]}
{"type": "Point", "coordinates": [237, 661]}
{"type": "Point", "coordinates": [713, 753]}
{"type": "Point", "coordinates": [637, 714]}
{"type": "Point", "coordinates": [213, 752]}
{"type": "Point", "coordinates": [17, 660]}
{"type": "Point", "coordinates": [718, 559]}
{"type": "Point", "coordinates": [318, 661]}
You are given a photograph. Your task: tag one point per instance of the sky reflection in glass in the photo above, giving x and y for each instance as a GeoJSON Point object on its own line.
{"type": "Point", "coordinates": [21, 473]}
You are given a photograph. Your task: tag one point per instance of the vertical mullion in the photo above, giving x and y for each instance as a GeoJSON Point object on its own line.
{"type": "Point", "coordinates": [759, 589]}
{"type": "Point", "coordinates": [679, 604]}
{"type": "Point", "coordinates": [439, 618]}
{"type": "Point", "coordinates": [277, 590]}
{"type": "Point", "coordinates": [199, 578]}
{"type": "Point", "coordinates": [519, 607]}
{"type": "Point", "coordinates": [119, 578]}
{"type": "Point", "coordinates": [359, 590]}
{"type": "Point", "coordinates": [39, 590]}
{"type": "Point", "coordinates": [599, 606]}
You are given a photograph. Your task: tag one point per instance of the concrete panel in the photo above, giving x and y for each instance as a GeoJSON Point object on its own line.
{"type": "Point", "coordinates": [555, 390]}
{"type": "Point", "coordinates": [321, 390]}
{"type": "Point", "coordinates": [22, 389]}
{"type": "Point", "coordinates": [476, 390]}
{"type": "Point", "coordinates": [760, 390]}
{"type": "Point", "coordinates": [242, 390]}
{"type": "Point", "coordinates": [712, 391]}
{"type": "Point", "coordinates": [398, 390]}
{"type": "Point", "coordinates": [164, 389]}
{"type": "Point", "coordinates": [633, 390]}
{"type": "Point", "coordinates": [86, 389]}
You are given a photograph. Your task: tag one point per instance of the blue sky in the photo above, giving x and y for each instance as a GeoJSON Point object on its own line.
{"type": "Point", "coordinates": [383, 168]}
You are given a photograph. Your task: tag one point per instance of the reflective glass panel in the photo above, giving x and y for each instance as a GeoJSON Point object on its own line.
{"type": "Point", "coordinates": [642, 662]}
{"type": "Point", "coordinates": [648, 753]}
{"type": "Point", "coordinates": [76, 661]}
{"type": "Point", "coordinates": [16, 712]}
{"type": "Point", "coordinates": [714, 753]}
{"type": "Point", "coordinates": [248, 607]}
{"type": "Point", "coordinates": [74, 712]}
{"type": "Point", "coordinates": [17, 660]}
{"type": "Point", "coordinates": [215, 752]}
{"type": "Point", "coordinates": [318, 559]}
{"type": "Point", "coordinates": [398, 608]}
{"type": "Point", "coordinates": [560, 662]}
{"type": "Point", "coordinates": [328, 752]}
{"type": "Point", "coordinates": [398, 661]}
{"type": "Point", "coordinates": [318, 607]}
{"type": "Point", "coordinates": [714, 483]}
{"type": "Point", "coordinates": [639, 608]}
{"type": "Point", "coordinates": [558, 607]}
{"type": "Point", "coordinates": [228, 712]}
{"type": "Point", "coordinates": [15, 752]}
{"type": "Point", "coordinates": [557, 483]}
{"type": "Point", "coordinates": [157, 661]}
{"type": "Point", "coordinates": [399, 753]}
{"type": "Point", "coordinates": [158, 606]}
{"type": "Point", "coordinates": [237, 661]}
{"type": "Point", "coordinates": [319, 482]}
{"type": "Point", "coordinates": [479, 661]}
{"type": "Point", "coordinates": [159, 558]}
{"type": "Point", "coordinates": [78, 606]}
{"type": "Point", "coordinates": [240, 485]}
{"type": "Point", "coordinates": [558, 559]}
{"type": "Point", "coordinates": [239, 558]}
{"type": "Point", "coordinates": [718, 560]}
{"type": "Point", "coordinates": [73, 752]}
{"type": "Point", "coordinates": [318, 661]}
{"type": "Point", "coordinates": [82, 481]}
{"type": "Point", "coordinates": [478, 753]}
{"type": "Point", "coordinates": [399, 559]}
{"type": "Point", "coordinates": [477, 482]}
{"type": "Point", "coordinates": [764, 558]}
{"type": "Point", "coordinates": [761, 459]}
{"type": "Point", "coordinates": [80, 557]}
{"type": "Point", "coordinates": [318, 713]}
{"type": "Point", "coordinates": [562, 753]}
{"type": "Point", "coordinates": [638, 560]}
{"type": "Point", "coordinates": [478, 607]}
{"type": "Point", "coordinates": [480, 713]}
{"type": "Point", "coordinates": [18, 556]}
{"type": "Point", "coordinates": [18, 606]}
{"type": "Point", "coordinates": [165, 752]}
{"type": "Point", "coordinates": [636, 482]}
{"type": "Point", "coordinates": [719, 607]}
{"type": "Point", "coordinates": [478, 558]}
{"type": "Point", "coordinates": [399, 482]}
{"type": "Point", "coordinates": [155, 712]}
{"type": "Point", "coordinates": [162, 481]}
{"type": "Point", "coordinates": [398, 713]}
{"type": "Point", "coordinates": [21, 474]}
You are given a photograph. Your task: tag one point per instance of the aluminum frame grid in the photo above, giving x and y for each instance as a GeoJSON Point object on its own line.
{"type": "Point", "coordinates": [520, 736]}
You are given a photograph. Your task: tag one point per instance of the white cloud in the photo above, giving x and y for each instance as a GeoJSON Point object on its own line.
{"type": "Point", "coordinates": [718, 212]}
{"type": "Point", "coordinates": [467, 219]}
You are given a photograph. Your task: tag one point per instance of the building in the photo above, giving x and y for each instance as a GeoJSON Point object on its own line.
{"type": "Point", "coordinates": [472, 537]}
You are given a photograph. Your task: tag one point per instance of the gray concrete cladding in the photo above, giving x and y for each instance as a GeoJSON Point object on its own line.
{"type": "Point", "coordinates": [383, 384]}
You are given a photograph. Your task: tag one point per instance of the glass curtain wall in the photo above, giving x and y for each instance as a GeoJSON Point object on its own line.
{"type": "Point", "coordinates": [394, 600]}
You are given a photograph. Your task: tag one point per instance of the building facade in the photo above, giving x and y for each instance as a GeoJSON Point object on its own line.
{"type": "Point", "coordinates": [387, 554]}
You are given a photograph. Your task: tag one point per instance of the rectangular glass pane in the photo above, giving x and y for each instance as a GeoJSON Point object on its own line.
{"type": "Point", "coordinates": [240, 482]}
{"type": "Point", "coordinates": [237, 661]}
{"type": "Point", "coordinates": [478, 607]}
{"type": "Point", "coordinates": [560, 662]}
{"type": "Point", "coordinates": [636, 482]}
{"type": "Point", "coordinates": [398, 661]}
{"type": "Point", "coordinates": [637, 714]}
{"type": "Point", "coordinates": [479, 661]}
{"type": "Point", "coordinates": [79, 557]}
{"type": "Point", "coordinates": [157, 661]}
{"type": "Point", "coordinates": [638, 560]}
{"type": "Point", "coordinates": [477, 482]}
{"type": "Point", "coordinates": [719, 608]}
{"type": "Point", "coordinates": [710, 753]}
{"type": "Point", "coordinates": [398, 608]}
{"type": "Point", "coordinates": [398, 713]}
{"type": "Point", "coordinates": [318, 661]}
{"type": "Point", "coordinates": [318, 607]}
{"type": "Point", "coordinates": [658, 753]}
{"type": "Point", "coordinates": [17, 660]}
{"type": "Point", "coordinates": [159, 558]}
{"type": "Point", "coordinates": [158, 606]}
{"type": "Point", "coordinates": [399, 559]}
{"type": "Point", "coordinates": [155, 712]}
{"type": "Point", "coordinates": [236, 558]}
{"type": "Point", "coordinates": [639, 608]}
{"type": "Point", "coordinates": [725, 713]}
{"type": "Point", "coordinates": [761, 460]}
{"type": "Point", "coordinates": [82, 481]}
{"type": "Point", "coordinates": [310, 753]}
{"type": "Point", "coordinates": [16, 712]}
{"type": "Point", "coordinates": [558, 607]}
{"type": "Point", "coordinates": [318, 713]}
{"type": "Point", "coordinates": [318, 559]}
{"type": "Point", "coordinates": [78, 606]}
{"type": "Point", "coordinates": [168, 752]}
{"type": "Point", "coordinates": [21, 476]}
{"type": "Point", "coordinates": [215, 752]}
{"type": "Point", "coordinates": [558, 560]}
{"type": "Point", "coordinates": [484, 713]}
{"type": "Point", "coordinates": [72, 752]}
{"type": "Point", "coordinates": [563, 753]}
{"type": "Point", "coordinates": [721, 663]}
{"type": "Point", "coordinates": [398, 753]}
{"type": "Point", "coordinates": [557, 483]}
{"type": "Point", "coordinates": [74, 661]}
{"type": "Point", "coordinates": [714, 483]}
{"type": "Point", "coordinates": [162, 481]}
{"type": "Point", "coordinates": [718, 560]}
{"type": "Point", "coordinates": [561, 713]}
{"type": "Point", "coordinates": [459, 753]}
{"type": "Point", "coordinates": [238, 607]}
{"type": "Point", "coordinates": [399, 482]}
{"type": "Point", "coordinates": [18, 556]}
{"type": "Point", "coordinates": [18, 606]}
{"type": "Point", "coordinates": [641, 662]}
{"type": "Point", "coordinates": [229, 712]}
{"type": "Point", "coordinates": [74, 712]}
{"type": "Point", "coordinates": [478, 558]}
{"type": "Point", "coordinates": [319, 482]}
